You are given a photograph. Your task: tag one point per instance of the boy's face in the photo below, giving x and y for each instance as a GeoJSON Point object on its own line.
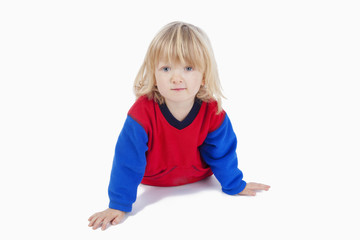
{"type": "Point", "coordinates": [178, 82]}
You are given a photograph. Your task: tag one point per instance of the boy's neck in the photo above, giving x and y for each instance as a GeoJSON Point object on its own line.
{"type": "Point", "coordinates": [180, 109]}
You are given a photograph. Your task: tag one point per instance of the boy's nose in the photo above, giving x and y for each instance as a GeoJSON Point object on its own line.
{"type": "Point", "coordinates": [176, 78]}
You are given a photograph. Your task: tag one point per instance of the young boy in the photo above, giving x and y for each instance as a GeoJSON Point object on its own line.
{"type": "Point", "coordinates": [176, 132]}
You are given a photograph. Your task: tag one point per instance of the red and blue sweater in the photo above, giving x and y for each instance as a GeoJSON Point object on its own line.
{"type": "Point", "coordinates": [155, 148]}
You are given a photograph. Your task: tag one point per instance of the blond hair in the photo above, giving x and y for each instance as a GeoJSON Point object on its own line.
{"type": "Point", "coordinates": [188, 44]}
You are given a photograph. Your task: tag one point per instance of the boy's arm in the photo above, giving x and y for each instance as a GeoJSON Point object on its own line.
{"type": "Point", "coordinates": [128, 165]}
{"type": "Point", "coordinates": [219, 152]}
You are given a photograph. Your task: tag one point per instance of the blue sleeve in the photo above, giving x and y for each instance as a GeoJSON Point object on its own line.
{"type": "Point", "coordinates": [219, 152]}
{"type": "Point", "coordinates": [128, 165]}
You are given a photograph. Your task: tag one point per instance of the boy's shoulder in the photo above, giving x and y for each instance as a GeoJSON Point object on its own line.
{"type": "Point", "coordinates": [212, 105]}
{"type": "Point", "coordinates": [214, 117]}
{"type": "Point", "coordinates": [142, 109]}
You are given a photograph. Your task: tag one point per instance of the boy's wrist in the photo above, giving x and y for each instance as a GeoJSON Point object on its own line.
{"type": "Point", "coordinates": [120, 207]}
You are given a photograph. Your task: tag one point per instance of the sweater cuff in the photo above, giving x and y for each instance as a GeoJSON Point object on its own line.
{"type": "Point", "coordinates": [121, 207]}
{"type": "Point", "coordinates": [237, 190]}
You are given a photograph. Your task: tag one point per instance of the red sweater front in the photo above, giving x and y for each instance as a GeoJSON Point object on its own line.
{"type": "Point", "coordinates": [173, 156]}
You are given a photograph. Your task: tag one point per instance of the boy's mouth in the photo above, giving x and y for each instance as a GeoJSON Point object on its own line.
{"type": "Point", "coordinates": [178, 89]}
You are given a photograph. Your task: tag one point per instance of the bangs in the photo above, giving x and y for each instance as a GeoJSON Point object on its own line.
{"type": "Point", "coordinates": [180, 43]}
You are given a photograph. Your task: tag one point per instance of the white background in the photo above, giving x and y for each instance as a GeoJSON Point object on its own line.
{"type": "Point", "coordinates": [290, 72]}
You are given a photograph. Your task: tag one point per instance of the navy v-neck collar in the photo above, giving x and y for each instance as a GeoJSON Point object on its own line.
{"type": "Point", "coordinates": [188, 119]}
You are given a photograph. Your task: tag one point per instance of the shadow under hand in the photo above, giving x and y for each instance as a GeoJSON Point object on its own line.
{"type": "Point", "coordinates": [154, 194]}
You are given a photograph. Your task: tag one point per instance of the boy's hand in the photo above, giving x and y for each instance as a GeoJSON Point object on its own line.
{"type": "Point", "coordinates": [251, 188]}
{"type": "Point", "coordinates": [105, 217]}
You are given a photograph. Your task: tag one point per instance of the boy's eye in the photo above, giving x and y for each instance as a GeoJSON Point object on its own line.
{"type": "Point", "coordinates": [189, 69]}
{"type": "Point", "coordinates": [166, 69]}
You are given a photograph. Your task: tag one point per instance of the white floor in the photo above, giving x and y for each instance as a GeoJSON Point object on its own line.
{"type": "Point", "coordinates": [289, 70]}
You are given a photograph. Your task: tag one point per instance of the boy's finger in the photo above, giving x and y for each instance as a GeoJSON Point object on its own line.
{"type": "Point", "coordinates": [266, 187]}
{"type": "Point", "coordinates": [91, 217]}
{"type": "Point", "coordinates": [104, 224]}
{"type": "Point", "coordinates": [258, 186]}
{"type": "Point", "coordinates": [252, 193]}
{"type": "Point", "coordinates": [247, 192]}
{"type": "Point", "coordinates": [262, 187]}
{"type": "Point", "coordinates": [97, 223]}
{"type": "Point", "coordinates": [117, 220]}
{"type": "Point", "coordinates": [91, 223]}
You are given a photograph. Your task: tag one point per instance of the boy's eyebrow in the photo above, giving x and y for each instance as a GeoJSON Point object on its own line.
{"type": "Point", "coordinates": [173, 62]}
{"type": "Point", "coordinates": [163, 64]}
